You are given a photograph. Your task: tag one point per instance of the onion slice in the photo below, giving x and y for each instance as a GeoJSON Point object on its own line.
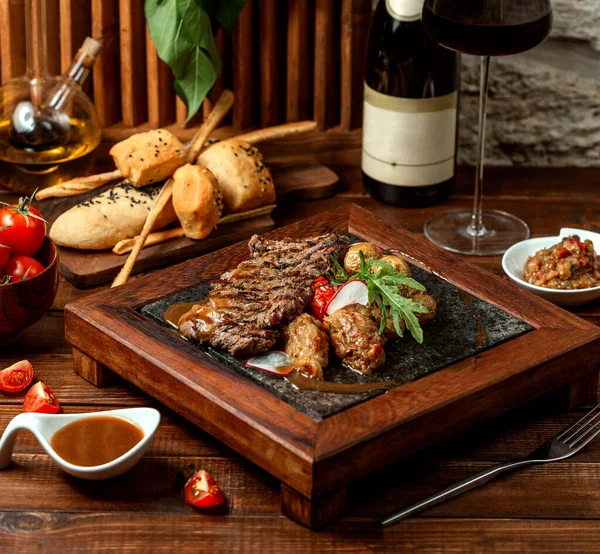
{"type": "Point", "coordinates": [276, 362]}
{"type": "Point", "coordinates": [353, 292]}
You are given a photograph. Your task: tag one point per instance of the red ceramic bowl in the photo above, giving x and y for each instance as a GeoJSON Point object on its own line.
{"type": "Point", "coordinates": [24, 302]}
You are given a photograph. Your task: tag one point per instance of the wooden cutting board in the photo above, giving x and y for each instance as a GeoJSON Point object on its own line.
{"type": "Point", "coordinates": [294, 182]}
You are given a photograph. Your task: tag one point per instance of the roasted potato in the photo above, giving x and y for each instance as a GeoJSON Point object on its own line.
{"type": "Point", "coordinates": [429, 303]}
{"type": "Point", "coordinates": [398, 263]}
{"type": "Point", "coordinates": [352, 257]}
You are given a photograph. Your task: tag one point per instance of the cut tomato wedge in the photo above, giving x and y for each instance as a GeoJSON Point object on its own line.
{"type": "Point", "coordinates": [40, 399]}
{"type": "Point", "coordinates": [353, 292]}
{"type": "Point", "coordinates": [202, 490]}
{"type": "Point", "coordinates": [16, 377]}
{"type": "Point", "coordinates": [323, 293]}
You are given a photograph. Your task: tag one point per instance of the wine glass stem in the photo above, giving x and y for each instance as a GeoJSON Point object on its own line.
{"type": "Point", "coordinates": [476, 228]}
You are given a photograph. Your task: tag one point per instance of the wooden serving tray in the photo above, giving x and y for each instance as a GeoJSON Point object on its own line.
{"type": "Point", "coordinates": [315, 459]}
{"type": "Point", "coordinates": [85, 268]}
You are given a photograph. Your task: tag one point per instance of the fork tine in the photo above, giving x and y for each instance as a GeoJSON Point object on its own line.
{"type": "Point", "coordinates": [580, 421]}
{"type": "Point", "coordinates": [583, 434]}
{"type": "Point", "coordinates": [581, 428]}
{"type": "Point", "coordinates": [593, 435]}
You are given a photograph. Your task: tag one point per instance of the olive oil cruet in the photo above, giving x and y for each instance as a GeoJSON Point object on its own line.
{"type": "Point", "coordinates": [46, 120]}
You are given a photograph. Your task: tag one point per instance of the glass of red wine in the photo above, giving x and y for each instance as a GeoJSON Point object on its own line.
{"type": "Point", "coordinates": [483, 28]}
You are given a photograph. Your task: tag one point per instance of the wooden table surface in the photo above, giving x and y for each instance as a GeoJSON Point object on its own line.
{"type": "Point", "coordinates": [549, 508]}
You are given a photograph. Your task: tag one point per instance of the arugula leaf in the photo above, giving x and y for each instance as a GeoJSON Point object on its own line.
{"type": "Point", "coordinates": [383, 291]}
{"type": "Point", "coordinates": [183, 32]}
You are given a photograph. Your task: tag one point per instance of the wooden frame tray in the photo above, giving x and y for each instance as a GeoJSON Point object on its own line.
{"type": "Point", "coordinates": [316, 460]}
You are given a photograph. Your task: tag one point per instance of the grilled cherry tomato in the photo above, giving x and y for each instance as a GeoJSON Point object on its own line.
{"type": "Point", "coordinates": [40, 399]}
{"type": "Point", "coordinates": [22, 228]}
{"type": "Point", "coordinates": [4, 255]}
{"type": "Point", "coordinates": [324, 292]}
{"type": "Point", "coordinates": [202, 490]}
{"type": "Point", "coordinates": [16, 377]}
{"type": "Point", "coordinates": [21, 268]}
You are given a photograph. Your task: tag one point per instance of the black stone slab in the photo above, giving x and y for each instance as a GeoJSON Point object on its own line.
{"type": "Point", "coordinates": [453, 335]}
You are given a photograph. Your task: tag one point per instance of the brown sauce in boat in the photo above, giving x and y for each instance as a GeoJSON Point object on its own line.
{"type": "Point", "coordinates": [94, 441]}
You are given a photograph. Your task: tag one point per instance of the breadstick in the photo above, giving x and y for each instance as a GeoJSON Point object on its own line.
{"type": "Point", "coordinates": [161, 201]}
{"type": "Point", "coordinates": [215, 117]}
{"type": "Point", "coordinates": [279, 131]}
{"type": "Point", "coordinates": [218, 112]}
{"type": "Point", "coordinates": [77, 186]}
{"type": "Point", "coordinates": [126, 245]}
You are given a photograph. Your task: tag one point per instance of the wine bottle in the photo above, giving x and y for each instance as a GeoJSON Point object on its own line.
{"type": "Point", "coordinates": [410, 109]}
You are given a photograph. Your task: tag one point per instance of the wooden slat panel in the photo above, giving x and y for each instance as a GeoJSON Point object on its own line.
{"type": "Point", "coordinates": [106, 73]}
{"type": "Point", "coordinates": [53, 55]}
{"type": "Point", "coordinates": [12, 38]}
{"type": "Point", "coordinates": [161, 95]}
{"type": "Point", "coordinates": [299, 60]}
{"type": "Point", "coordinates": [180, 111]}
{"type": "Point", "coordinates": [244, 76]}
{"type": "Point", "coordinates": [271, 62]}
{"type": "Point", "coordinates": [133, 62]}
{"type": "Point", "coordinates": [356, 16]}
{"type": "Point", "coordinates": [327, 55]}
{"type": "Point", "coordinates": [75, 25]}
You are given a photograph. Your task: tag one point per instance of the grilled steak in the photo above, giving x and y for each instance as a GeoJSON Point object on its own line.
{"type": "Point", "coordinates": [249, 304]}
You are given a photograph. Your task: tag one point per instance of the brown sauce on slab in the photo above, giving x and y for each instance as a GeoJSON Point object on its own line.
{"type": "Point", "coordinates": [174, 313]}
{"type": "Point", "coordinates": [466, 298]}
{"type": "Point", "coordinates": [94, 441]}
{"type": "Point", "coordinates": [305, 383]}
{"type": "Point", "coordinates": [481, 337]}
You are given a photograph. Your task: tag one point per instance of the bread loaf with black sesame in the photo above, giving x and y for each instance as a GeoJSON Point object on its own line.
{"type": "Point", "coordinates": [146, 158]}
{"type": "Point", "coordinates": [106, 218]}
{"type": "Point", "coordinates": [245, 181]}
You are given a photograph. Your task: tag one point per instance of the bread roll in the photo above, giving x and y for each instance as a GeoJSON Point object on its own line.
{"type": "Point", "coordinates": [106, 218]}
{"type": "Point", "coordinates": [197, 200]}
{"type": "Point", "coordinates": [244, 179]}
{"type": "Point", "coordinates": [146, 158]}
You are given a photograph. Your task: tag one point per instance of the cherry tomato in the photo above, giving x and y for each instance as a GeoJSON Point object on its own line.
{"type": "Point", "coordinates": [22, 228]}
{"type": "Point", "coordinates": [324, 292]}
{"type": "Point", "coordinates": [202, 490]}
{"type": "Point", "coordinates": [16, 377]}
{"type": "Point", "coordinates": [21, 268]}
{"type": "Point", "coordinates": [4, 255]}
{"type": "Point", "coordinates": [40, 399]}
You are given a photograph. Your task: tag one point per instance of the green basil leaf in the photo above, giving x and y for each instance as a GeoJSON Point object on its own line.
{"type": "Point", "coordinates": [183, 33]}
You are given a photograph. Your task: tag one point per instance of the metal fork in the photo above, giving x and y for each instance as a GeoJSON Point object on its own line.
{"type": "Point", "coordinates": [564, 445]}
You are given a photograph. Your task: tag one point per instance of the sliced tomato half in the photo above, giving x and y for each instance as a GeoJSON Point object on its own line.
{"type": "Point", "coordinates": [202, 490]}
{"type": "Point", "coordinates": [40, 399]}
{"type": "Point", "coordinates": [16, 377]}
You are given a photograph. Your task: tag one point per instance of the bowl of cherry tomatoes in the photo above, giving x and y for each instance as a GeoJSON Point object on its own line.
{"type": "Point", "coordinates": [28, 269]}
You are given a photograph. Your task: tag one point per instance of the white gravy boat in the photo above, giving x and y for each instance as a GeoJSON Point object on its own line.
{"type": "Point", "coordinates": [43, 426]}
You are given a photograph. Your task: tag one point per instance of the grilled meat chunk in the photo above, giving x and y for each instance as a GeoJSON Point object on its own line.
{"type": "Point", "coordinates": [307, 345]}
{"type": "Point", "coordinates": [253, 300]}
{"type": "Point", "coordinates": [354, 336]}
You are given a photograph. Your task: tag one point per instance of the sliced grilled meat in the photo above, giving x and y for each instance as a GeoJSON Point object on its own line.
{"type": "Point", "coordinates": [253, 300]}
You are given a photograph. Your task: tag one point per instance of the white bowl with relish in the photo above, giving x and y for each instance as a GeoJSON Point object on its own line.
{"type": "Point", "coordinates": [97, 445]}
{"type": "Point", "coordinates": [515, 258]}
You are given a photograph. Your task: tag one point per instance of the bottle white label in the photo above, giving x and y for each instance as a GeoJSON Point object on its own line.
{"type": "Point", "coordinates": [405, 10]}
{"type": "Point", "coordinates": [409, 142]}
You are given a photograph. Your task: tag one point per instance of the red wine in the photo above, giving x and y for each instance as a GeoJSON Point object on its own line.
{"type": "Point", "coordinates": [410, 109]}
{"type": "Point", "coordinates": [488, 28]}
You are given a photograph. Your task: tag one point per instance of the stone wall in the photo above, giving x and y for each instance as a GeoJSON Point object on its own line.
{"type": "Point", "coordinates": [544, 106]}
